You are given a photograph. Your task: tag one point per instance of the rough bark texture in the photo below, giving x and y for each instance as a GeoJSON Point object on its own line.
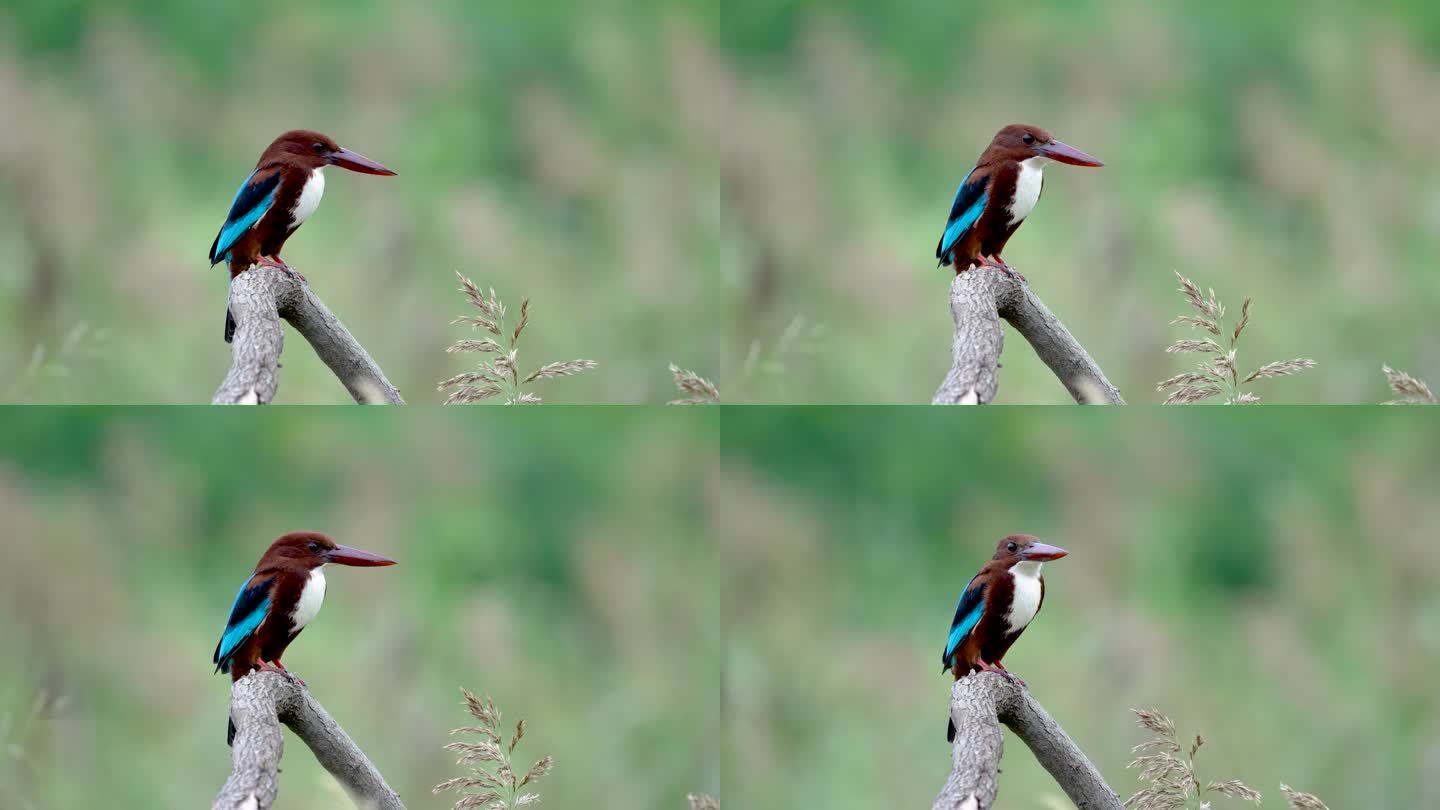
{"type": "Point", "coordinates": [979, 703]}
{"type": "Point", "coordinates": [259, 703]}
{"type": "Point", "coordinates": [979, 298]}
{"type": "Point", "coordinates": [259, 298]}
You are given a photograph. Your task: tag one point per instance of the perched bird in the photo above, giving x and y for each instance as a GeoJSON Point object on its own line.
{"type": "Point", "coordinates": [279, 195]}
{"type": "Point", "coordinates": [279, 599]}
{"type": "Point", "coordinates": [996, 607]}
{"type": "Point", "coordinates": [997, 195]}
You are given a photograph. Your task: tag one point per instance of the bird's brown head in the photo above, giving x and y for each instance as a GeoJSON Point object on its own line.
{"type": "Point", "coordinates": [313, 549]}
{"type": "Point", "coordinates": [1018, 548]}
{"type": "Point", "coordinates": [315, 150]}
{"type": "Point", "coordinates": [1020, 142]}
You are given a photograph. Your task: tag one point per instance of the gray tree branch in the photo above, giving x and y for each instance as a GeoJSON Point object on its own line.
{"type": "Point", "coordinates": [979, 703]}
{"type": "Point", "coordinates": [259, 703]}
{"type": "Point", "coordinates": [979, 298]}
{"type": "Point", "coordinates": [259, 298]}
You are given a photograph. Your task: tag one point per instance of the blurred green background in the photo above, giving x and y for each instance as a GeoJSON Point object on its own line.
{"type": "Point", "coordinates": [551, 150]}
{"type": "Point", "coordinates": [557, 563]}
{"type": "Point", "coordinates": [1279, 150]}
{"type": "Point", "coordinates": [751, 191]}
{"type": "Point", "coordinates": [1271, 582]}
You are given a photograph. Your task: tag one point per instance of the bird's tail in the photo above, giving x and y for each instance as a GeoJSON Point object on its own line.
{"type": "Point", "coordinates": [229, 318]}
{"type": "Point", "coordinates": [947, 663]}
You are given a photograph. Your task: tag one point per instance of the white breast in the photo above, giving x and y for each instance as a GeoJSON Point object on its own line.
{"type": "Point", "coordinates": [311, 597]}
{"type": "Point", "coordinates": [1027, 595]}
{"type": "Point", "coordinates": [309, 198]}
{"type": "Point", "coordinates": [1027, 188]}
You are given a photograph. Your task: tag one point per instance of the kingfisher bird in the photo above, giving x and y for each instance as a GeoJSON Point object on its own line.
{"type": "Point", "coordinates": [997, 195]}
{"type": "Point", "coordinates": [996, 607]}
{"type": "Point", "coordinates": [279, 195]}
{"type": "Point", "coordinates": [282, 596]}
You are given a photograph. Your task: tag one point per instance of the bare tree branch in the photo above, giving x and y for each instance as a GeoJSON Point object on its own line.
{"type": "Point", "coordinates": [979, 298]}
{"type": "Point", "coordinates": [259, 703]}
{"type": "Point", "coordinates": [979, 703]}
{"type": "Point", "coordinates": [259, 298]}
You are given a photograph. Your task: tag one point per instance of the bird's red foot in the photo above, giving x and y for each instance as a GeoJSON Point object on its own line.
{"type": "Point", "coordinates": [1007, 673]}
{"type": "Point", "coordinates": [279, 264]}
{"type": "Point", "coordinates": [1003, 265]}
{"type": "Point", "coordinates": [287, 673]}
{"type": "Point", "coordinates": [999, 669]}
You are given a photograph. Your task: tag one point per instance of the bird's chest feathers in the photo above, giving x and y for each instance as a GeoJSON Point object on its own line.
{"type": "Point", "coordinates": [1025, 602]}
{"type": "Point", "coordinates": [308, 200]}
{"type": "Point", "coordinates": [1027, 188]}
{"type": "Point", "coordinates": [312, 595]}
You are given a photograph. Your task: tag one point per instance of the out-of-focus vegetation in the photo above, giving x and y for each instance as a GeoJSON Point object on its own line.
{"type": "Point", "coordinates": [1269, 579]}
{"type": "Point", "coordinates": [559, 152]}
{"type": "Point", "coordinates": [752, 190]}
{"type": "Point", "coordinates": [496, 777]}
{"type": "Point", "coordinates": [497, 373]}
{"type": "Point", "coordinates": [1280, 151]}
{"type": "Point", "coordinates": [556, 563]}
{"type": "Point", "coordinates": [1218, 372]}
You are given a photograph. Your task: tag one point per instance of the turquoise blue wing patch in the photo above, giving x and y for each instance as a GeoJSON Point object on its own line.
{"type": "Point", "coordinates": [252, 200]}
{"type": "Point", "coordinates": [967, 614]}
{"type": "Point", "coordinates": [251, 604]}
{"type": "Point", "coordinates": [965, 211]}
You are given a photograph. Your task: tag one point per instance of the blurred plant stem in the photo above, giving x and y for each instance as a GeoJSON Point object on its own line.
{"type": "Point", "coordinates": [500, 375]}
{"type": "Point", "coordinates": [500, 788]}
{"type": "Point", "coordinates": [1219, 375]}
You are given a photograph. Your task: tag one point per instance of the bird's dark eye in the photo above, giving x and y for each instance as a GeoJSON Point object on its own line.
{"type": "Point", "coordinates": [314, 546]}
{"type": "Point", "coordinates": [1028, 139]}
{"type": "Point", "coordinates": [318, 147]}
{"type": "Point", "coordinates": [1012, 546]}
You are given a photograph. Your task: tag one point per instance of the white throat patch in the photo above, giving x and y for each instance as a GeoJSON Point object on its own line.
{"type": "Point", "coordinates": [1027, 188]}
{"type": "Point", "coordinates": [311, 597]}
{"type": "Point", "coordinates": [1026, 602]}
{"type": "Point", "coordinates": [309, 198]}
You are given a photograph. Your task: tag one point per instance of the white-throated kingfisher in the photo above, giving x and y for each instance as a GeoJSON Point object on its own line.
{"type": "Point", "coordinates": [282, 596]}
{"type": "Point", "coordinates": [996, 607]}
{"type": "Point", "coordinates": [279, 195]}
{"type": "Point", "coordinates": [999, 193]}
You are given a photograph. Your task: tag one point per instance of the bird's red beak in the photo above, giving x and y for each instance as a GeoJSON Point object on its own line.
{"type": "Point", "coordinates": [1065, 153]}
{"type": "Point", "coordinates": [344, 555]}
{"type": "Point", "coordinates": [1042, 552]}
{"type": "Point", "coordinates": [356, 162]}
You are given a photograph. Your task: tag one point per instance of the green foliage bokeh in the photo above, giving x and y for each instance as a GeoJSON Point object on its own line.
{"type": "Point", "coordinates": [752, 190]}
{"type": "Point", "coordinates": [1268, 579]}
{"type": "Point", "coordinates": [1268, 150]}
{"type": "Point", "coordinates": [556, 563]}
{"type": "Point", "coordinates": [542, 149]}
